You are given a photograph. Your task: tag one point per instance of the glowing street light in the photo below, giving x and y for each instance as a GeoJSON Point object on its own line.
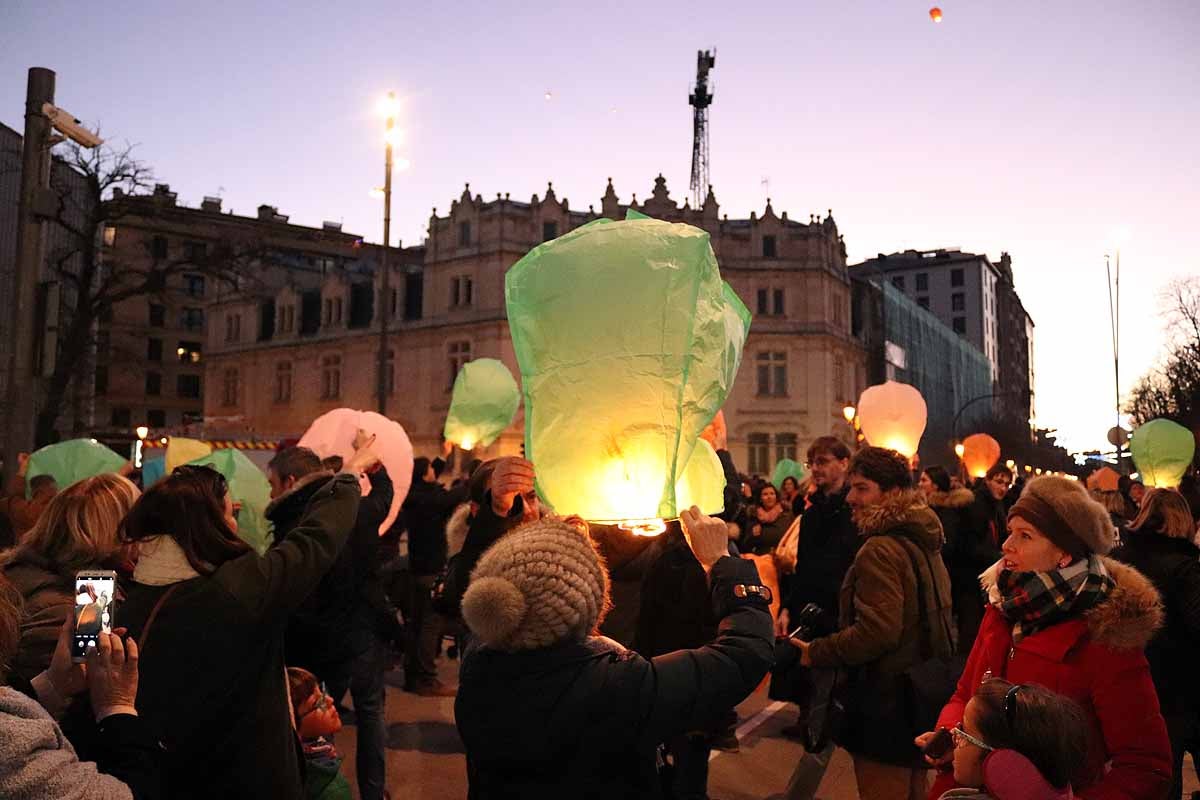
{"type": "Point", "coordinates": [849, 412]}
{"type": "Point", "coordinates": [142, 431]}
{"type": "Point", "coordinates": [959, 449]}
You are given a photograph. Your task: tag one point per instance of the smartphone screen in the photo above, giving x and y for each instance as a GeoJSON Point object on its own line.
{"type": "Point", "coordinates": [94, 609]}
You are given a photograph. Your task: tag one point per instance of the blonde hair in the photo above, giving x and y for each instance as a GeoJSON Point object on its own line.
{"type": "Point", "coordinates": [79, 528]}
{"type": "Point", "coordinates": [1113, 502]}
{"type": "Point", "coordinates": [1165, 512]}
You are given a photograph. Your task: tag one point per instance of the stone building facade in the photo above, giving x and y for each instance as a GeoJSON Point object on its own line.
{"type": "Point", "coordinates": [801, 364]}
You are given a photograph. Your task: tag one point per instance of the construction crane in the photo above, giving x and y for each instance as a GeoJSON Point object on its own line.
{"type": "Point", "coordinates": [700, 99]}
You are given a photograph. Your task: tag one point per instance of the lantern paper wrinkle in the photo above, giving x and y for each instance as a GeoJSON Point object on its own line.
{"type": "Point", "coordinates": [483, 403]}
{"type": "Point", "coordinates": [1163, 450]}
{"type": "Point", "coordinates": [893, 415]}
{"type": "Point", "coordinates": [628, 341]}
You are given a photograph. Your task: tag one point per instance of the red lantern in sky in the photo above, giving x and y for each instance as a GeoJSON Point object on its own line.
{"type": "Point", "coordinates": [935, 14]}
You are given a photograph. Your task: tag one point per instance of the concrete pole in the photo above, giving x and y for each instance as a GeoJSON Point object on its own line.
{"type": "Point", "coordinates": [35, 178]}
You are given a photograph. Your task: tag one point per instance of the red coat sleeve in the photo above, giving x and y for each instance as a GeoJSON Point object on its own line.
{"type": "Point", "coordinates": [1135, 736]}
{"type": "Point", "coordinates": [978, 662]}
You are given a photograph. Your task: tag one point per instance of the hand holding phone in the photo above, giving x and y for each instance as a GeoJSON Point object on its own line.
{"type": "Point", "coordinates": [95, 609]}
{"type": "Point", "coordinates": [112, 675]}
{"type": "Point", "coordinates": [936, 745]}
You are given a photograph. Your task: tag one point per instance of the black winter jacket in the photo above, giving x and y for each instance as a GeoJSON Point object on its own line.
{"type": "Point", "coordinates": [828, 542]}
{"type": "Point", "coordinates": [483, 530]}
{"type": "Point", "coordinates": [977, 545]}
{"type": "Point", "coordinates": [426, 509]}
{"type": "Point", "coordinates": [675, 612]}
{"type": "Point", "coordinates": [211, 673]}
{"type": "Point", "coordinates": [1173, 565]}
{"type": "Point", "coordinates": [583, 719]}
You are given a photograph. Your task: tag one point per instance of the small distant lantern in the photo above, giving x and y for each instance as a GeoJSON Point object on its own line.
{"type": "Point", "coordinates": [893, 415]}
{"type": "Point", "coordinates": [1162, 450]}
{"type": "Point", "coordinates": [786, 468]}
{"type": "Point", "coordinates": [980, 453]}
{"type": "Point", "coordinates": [483, 403]}
{"type": "Point", "coordinates": [935, 14]}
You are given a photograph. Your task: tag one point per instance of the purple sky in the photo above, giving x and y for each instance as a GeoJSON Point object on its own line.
{"type": "Point", "coordinates": [1034, 127]}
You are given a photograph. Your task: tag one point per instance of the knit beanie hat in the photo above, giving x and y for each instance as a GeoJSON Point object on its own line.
{"type": "Point", "coordinates": [1063, 510]}
{"type": "Point", "coordinates": [542, 584]}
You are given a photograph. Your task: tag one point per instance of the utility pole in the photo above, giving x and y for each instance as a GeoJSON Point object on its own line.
{"type": "Point", "coordinates": [35, 182]}
{"type": "Point", "coordinates": [1114, 310]}
{"type": "Point", "coordinates": [700, 99]}
{"type": "Point", "coordinates": [385, 302]}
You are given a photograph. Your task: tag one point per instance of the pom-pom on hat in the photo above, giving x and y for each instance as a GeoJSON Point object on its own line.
{"type": "Point", "coordinates": [540, 585]}
{"type": "Point", "coordinates": [1066, 514]}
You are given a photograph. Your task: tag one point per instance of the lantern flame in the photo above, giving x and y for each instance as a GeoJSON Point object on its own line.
{"type": "Point", "coordinates": [467, 443]}
{"type": "Point", "coordinates": [643, 527]}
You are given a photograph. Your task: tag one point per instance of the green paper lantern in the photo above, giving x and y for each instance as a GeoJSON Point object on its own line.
{"type": "Point", "coordinates": [73, 460]}
{"type": "Point", "coordinates": [248, 487]}
{"type": "Point", "coordinates": [786, 468]}
{"type": "Point", "coordinates": [628, 343]}
{"type": "Point", "coordinates": [1162, 450]}
{"type": "Point", "coordinates": [483, 403]}
{"type": "Point", "coordinates": [702, 483]}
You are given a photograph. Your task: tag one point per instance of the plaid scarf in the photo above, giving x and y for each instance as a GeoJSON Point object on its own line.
{"type": "Point", "coordinates": [1033, 601]}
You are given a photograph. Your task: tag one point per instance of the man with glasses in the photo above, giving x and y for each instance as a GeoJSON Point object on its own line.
{"type": "Point", "coordinates": [976, 549]}
{"type": "Point", "coordinates": [827, 545]}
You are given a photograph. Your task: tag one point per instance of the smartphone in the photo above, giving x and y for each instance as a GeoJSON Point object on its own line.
{"type": "Point", "coordinates": [95, 609]}
{"type": "Point", "coordinates": [939, 745]}
{"type": "Point", "coordinates": [796, 633]}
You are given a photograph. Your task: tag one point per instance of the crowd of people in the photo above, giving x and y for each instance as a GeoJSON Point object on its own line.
{"type": "Point", "coordinates": [1008, 639]}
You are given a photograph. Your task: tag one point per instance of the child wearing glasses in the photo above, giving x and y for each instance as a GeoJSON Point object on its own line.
{"type": "Point", "coordinates": [316, 718]}
{"type": "Point", "coordinates": [1018, 742]}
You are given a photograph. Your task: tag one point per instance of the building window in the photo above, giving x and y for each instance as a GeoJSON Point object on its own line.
{"type": "Point", "coordinates": [154, 349]}
{"type": "Point", "coordinates": [759, 453]}
{"type": "Point", "coordinates": [158, 247]}
{"type": "Point", "coordinates": [960, 324]}
{"type": "Point", "coordinates": [772, 374]}
{"type": "Point", "coordinates": [287, 319]}
{"type": "Point", "coordinates": [229, 387]}
{"type": "Point", "coordinates": [839, 379]}
{"type": "Point", "coordinates": [898, 282]}
{"type": "Point", "coordinates": [762, 301]}
{"type": "Point", "coordinates": [462, 290]}
{"type": "Point", "coordinates": [837, 309]}
{"type": "Point", "coordinates": [101, 381]}
{"type": "Point", "coordinates": [923, 302]}
{"type": "Point", "coordinates": [156, 418]}
{"type": "Point", "coordinates": [158, 315]}
{"type": "Point", "coordinates": [459, 353]}
{"type": "Point", "coordinates": [956, 277]}
{"type": "Point", "coordinates": [193, 285]}
{"type": "Point", "coordinates": [153, 383]}
{"type": "Point", "coordinates": [188, 352]}
{"type": "Point", "coordinates": [192, 318]}
{"type": "Point", "coordinates": [389, 372]}
{"type": "Point", "coordinates": [194, 251]}
{"type": "Point", "coordinates": [464, 234]}
{"type": "Point", "coordinates": [958, 302]}
{"type": "Point", "coordinates": [120, 418]}
{"type": "Point", "coordinates": [922, 281]}
{"type": "Point", "coordinates": [337, 311]}
{"type": "Point", "coordinates": [777, 297]}
{"type": "Point", "coordinates": [331, 377]}
{"type": "Point", "coordinates": [785, 446]}
{"type": "Point", "coordinates": [325, 264]}
{"type": "Point", "coordinates": [549, 231]}
{"type": "Point", "coordinates": [233, 327]}
{"type": "Point", "coordinates": [768, 246]}
{"type": "Point", "coordinates": [395, 303]}
{"type": "Point", "coordinates": [327, 316]}
{"type": "Point", "coordinates": [283, 382]}
{"type": "Point", "coordinates": [187, 386]}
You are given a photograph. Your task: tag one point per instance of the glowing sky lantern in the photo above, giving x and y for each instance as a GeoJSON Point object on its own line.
{"type": "Point", "coordinates": [786, 468]}
{"type": "Point", "coordinates": [181, 450]}
{"type": "Point", "coordinates": [935, 14]}
{"type": "Point", "coordinates": [1105, 479]}
{"type": "Point", "coordinates": [71, 461]}
{"type": "Point", "coordinates": [483, 404]}
{"type": "Point", "coordinates": [980, 453]}
{"type": "Point", "coordinates": [628, 343]}
{"type": "Point", "coordinates": [893, 415]}
{"type": "Point", "coordinates": [1162, 450]}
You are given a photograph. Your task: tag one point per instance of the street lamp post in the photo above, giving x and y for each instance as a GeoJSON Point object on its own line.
{"type": "Point", "coordinates": [1114, 315]}
{"type": "Point", "coordinates": [385, 289]}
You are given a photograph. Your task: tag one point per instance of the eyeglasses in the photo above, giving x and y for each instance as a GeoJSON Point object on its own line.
{"type": "Point", "coordinates": [322, 704]}
{"type": "Point", "coordinates": [960, 735]}
{"type": "Point", "coordinates": [1010, 705]}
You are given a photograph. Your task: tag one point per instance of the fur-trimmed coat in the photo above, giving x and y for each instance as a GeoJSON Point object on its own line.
{"type": "Point", "coordinates": [1096, 659]}
{"type": "Point", "coordinates": [880, 617]}
{"type": "Point", "coordinates": [954, 512]}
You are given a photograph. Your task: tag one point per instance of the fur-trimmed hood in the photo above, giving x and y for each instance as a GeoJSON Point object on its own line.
{"type": "Point", "coordinates": [1126, 620]}
{"type": "Point", "coordinates": [955, 498]}
{"type": "Point", "coordinates": [303, 486]}
{"type": "Point", "coordinates": [905, 514]}
{"type": "Point", "coordinates": [456, 529]}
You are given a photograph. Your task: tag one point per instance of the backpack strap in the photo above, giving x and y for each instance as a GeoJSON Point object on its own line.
{"type": "Point", "coordinates": [162, 598]}
{"type": "Point", "coordinates": [908, 545]}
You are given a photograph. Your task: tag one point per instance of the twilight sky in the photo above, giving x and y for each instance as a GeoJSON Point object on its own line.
{"type": "Point", "coordinates": [1040, 128]}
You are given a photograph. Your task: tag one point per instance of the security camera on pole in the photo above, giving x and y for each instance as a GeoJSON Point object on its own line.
{"type": "Point", "coordinates": [36, 203]}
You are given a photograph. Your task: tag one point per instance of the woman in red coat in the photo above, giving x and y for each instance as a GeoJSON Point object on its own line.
{"type": "Point", "coordinates": [1064, 616]}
